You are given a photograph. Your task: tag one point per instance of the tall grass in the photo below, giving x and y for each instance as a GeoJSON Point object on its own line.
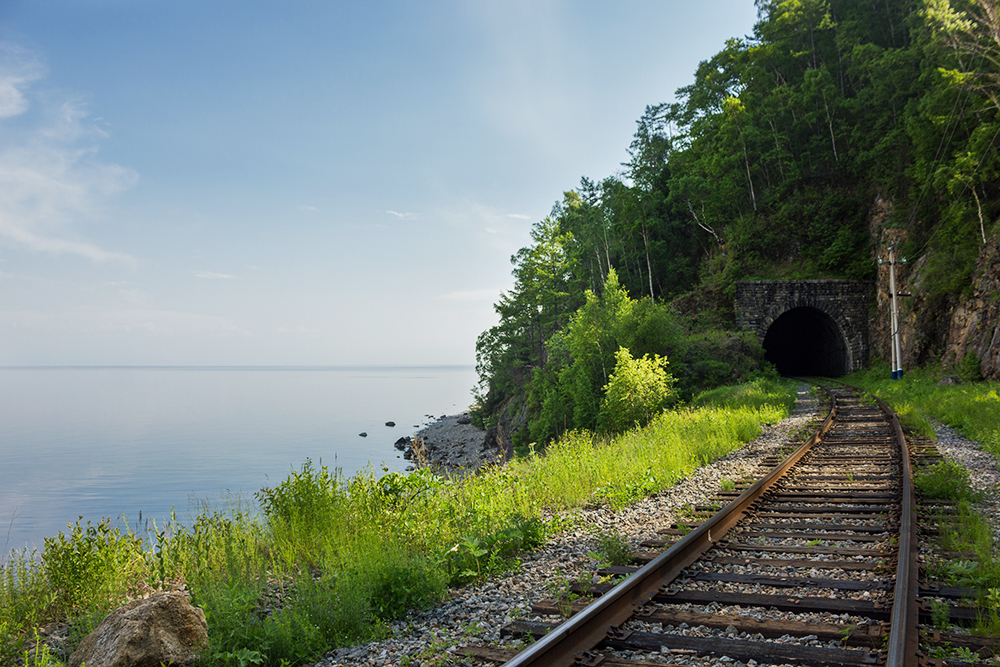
{"type": "Point", "coordinates": [329, 560]}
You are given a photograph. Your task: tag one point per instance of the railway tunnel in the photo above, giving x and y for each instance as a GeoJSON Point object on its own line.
{"type": "Point", "coordinates": [807, 341]}
{"type": "Point", "coordinates": [808, 327]}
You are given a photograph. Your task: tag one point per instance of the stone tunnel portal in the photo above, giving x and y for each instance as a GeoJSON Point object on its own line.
{"type": "Point", "coordinates": [807, 341]}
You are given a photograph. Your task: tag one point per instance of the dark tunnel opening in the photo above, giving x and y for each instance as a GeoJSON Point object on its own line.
{"type": "Point", "coordinates": [806, 341]}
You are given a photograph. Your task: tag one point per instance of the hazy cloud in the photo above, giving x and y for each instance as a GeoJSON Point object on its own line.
{"type": "Point", "coordinates": [49, 175]}
{"type": "Point", "coordinates": [211, 275]}
{"type": "Point", "coordinates": [519, 216]}
{"type": "Point", "coordinates": [404, 216]}
{"type": "Point", "coordinates": [166, 322]}
{"type": "Point", "coordinates": [307, 209]}
{"type": "Point", "coordinates": [18, 68]}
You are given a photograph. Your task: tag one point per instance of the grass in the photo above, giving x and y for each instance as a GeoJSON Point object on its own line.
{"type": "Point", "coordinates": [973, 408]}
{"type": "Point", "coordinates": [328, 561]}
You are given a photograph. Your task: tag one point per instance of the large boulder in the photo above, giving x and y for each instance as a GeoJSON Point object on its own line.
{"type": "Point", "coordinates": [163, 629]}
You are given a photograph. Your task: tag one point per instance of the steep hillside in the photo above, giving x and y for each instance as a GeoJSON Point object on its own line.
{"type": "Point", "coordinates": [804, 150]}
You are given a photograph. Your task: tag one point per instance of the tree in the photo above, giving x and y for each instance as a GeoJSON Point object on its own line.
{"type": "Point", "coordinates": [974, 37]}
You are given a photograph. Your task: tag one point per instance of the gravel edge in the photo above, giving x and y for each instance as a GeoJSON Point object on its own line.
{"type": "Point", "coordinates": [475, 614]}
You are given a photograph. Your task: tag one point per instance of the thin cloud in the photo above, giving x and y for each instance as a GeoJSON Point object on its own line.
{"type": "Point", "coordinates": [211, 275]}
{"type": "Point", "coordinates": [402, 216]}
{"type": "Point", "coordinates": [49, 175]}
{"type": "Point", "coordinates": [165, 322]}
{"type": "Point", "coordinates": [18, 69]}
{"type": "Point", "coordinates": [307, 209]}
{"type": "Point", "coordinates": [519, 216]}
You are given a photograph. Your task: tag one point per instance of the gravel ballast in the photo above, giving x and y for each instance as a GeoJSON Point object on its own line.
{"type": "Point", "coordinates": [475, 614]}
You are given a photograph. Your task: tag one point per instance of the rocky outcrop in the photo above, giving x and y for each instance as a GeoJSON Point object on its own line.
{"type": "Point", "coordinates": [974, 326]}
{"type": "Point", "coordinates": [163, 629]}
{"type": "Point", "coordinates": [513, 417]}
{"type": "Point", "coordinates": [936, 327]}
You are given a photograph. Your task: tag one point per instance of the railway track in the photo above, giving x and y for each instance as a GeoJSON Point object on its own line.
{"type": "Point", "coordinates": [814, 563]}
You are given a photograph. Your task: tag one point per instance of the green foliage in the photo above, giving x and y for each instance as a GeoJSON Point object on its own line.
{"type": "Point", "coordinates": [945, 480]}
{"type": "Point", "coordinates": [85, 566]}
{"type": "Point", "coordinates": [39, 656]}
{"type": "Point", "coordinates": [402, 584]}
{"type": "Point", "coordinates": [755, 394]}
{"type": "Point", "coordinates": [637, 390]}
{"type": "Point", "coordinates": [613, 548]}
{"type": "Point", "coordinates": [970, 368]}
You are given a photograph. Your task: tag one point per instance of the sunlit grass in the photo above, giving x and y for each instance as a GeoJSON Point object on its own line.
{"type": "Point", "coordinates": [329, 560]}
{"type": "Point", "coordinates": [973, 408]}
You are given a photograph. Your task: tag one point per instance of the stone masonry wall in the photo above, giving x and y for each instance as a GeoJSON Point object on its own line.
{"type": "Point", "coordinates": [760, 302]}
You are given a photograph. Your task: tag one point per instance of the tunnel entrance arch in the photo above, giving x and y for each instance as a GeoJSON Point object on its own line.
{"type": "Point", "coordinates": [808, 327]}
{"type": "Point", "coordinates": [806, 341]}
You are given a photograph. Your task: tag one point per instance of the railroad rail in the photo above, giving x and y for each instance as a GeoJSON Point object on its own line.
{"type": "Point", "coordinates": [830, 534]}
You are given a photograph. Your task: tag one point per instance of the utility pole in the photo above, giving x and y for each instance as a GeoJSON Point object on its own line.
{"type": "Point", "coordinates": [895, 341]}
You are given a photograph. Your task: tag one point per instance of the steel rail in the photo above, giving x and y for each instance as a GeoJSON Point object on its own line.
{"type": "Point", "coordinates": [904, 633]}
{"type": "Point", "coordinates": [581, 633]}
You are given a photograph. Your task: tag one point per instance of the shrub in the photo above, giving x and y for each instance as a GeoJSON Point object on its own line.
{"type": "Point", "coordinates": [613, 548]}
{"type": "Point", "coordinates": [92, 566]}
{"type": "Point", "coordinates": [637, 390]}
{"type": "Point", "coordinates": [945, 481]}
{"type": "Point", "coordinates": [970, 368]}
{"type": "Point", "coordinates": [399, 584]}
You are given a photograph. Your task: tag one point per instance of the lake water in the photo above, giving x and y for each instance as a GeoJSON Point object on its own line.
{"type": "Point", "coordinates": [114, 441]}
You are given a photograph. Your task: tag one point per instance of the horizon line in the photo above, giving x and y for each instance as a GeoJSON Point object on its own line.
{"type": "Point", "coordinates": [227, 367]}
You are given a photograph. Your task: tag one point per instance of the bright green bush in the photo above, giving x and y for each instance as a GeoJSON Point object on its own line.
{"type": "Point", "coordinates": [637, 391]}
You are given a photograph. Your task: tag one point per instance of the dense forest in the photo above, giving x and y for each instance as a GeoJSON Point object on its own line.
{"type": "Point", "coordinates": [768, 165]}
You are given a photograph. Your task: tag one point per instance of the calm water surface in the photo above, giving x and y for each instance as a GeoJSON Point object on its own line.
{"type": "Point", "coordinates": [111, 442]}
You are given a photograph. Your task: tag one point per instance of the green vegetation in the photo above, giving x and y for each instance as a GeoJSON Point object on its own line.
{"type": "Point", "coordinates": [972, 408]}
{"type": "Point", "coordinates": [637, 391]}
{"type": "Point", "coordinates": [613, 549]}
{"type": "Point", "coordinates": [329, 560]}
{"type": "Point", "coordinates": [836, 125]}
{"type": "Point", "coordinates": [965, 531]}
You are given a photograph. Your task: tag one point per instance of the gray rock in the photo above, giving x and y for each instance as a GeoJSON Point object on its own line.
{"type": "Point", "coordinates": [163, 629]}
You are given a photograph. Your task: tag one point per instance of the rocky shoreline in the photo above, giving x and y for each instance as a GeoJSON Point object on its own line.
{"type": "Point", "coordinates": [451, 445]}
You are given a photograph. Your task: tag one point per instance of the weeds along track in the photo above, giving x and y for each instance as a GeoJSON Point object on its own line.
{"type": "Point", "coordinates": [814, 563]}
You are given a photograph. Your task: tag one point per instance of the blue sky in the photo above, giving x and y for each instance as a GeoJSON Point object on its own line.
{"type": "Point", "coordinates": [264, 183]}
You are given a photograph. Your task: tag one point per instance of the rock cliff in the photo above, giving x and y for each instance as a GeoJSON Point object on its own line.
{"type": "Point", "coordinates": [936, 328]}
